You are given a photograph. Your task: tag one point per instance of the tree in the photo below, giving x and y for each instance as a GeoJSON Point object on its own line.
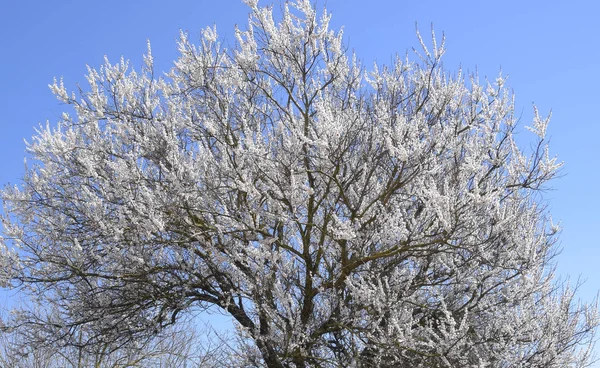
{"type": "Point", "coordinates": [176, 347]}
{"type": "Point", "coordinates": [342, 217]}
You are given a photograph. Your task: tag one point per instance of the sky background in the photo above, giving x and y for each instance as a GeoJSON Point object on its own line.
{"type": "Point", "coordinates": [550, 51]}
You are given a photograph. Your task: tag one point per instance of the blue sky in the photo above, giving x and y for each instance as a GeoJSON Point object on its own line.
{"type": "Point", "coordinates": [549, 50]}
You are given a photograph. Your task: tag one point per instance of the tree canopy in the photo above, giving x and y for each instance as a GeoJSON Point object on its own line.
{"type": "Point", "coordinates": [342, 216]}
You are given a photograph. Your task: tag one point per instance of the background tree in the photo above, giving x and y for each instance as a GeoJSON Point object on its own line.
{"type": "Point", "coordinates": [342, 217]}
{"type": "Point", "coordinates": [184, 345]}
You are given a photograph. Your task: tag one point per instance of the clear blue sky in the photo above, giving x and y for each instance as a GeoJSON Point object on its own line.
{"type": "Point", "coordinates": [549, 50]}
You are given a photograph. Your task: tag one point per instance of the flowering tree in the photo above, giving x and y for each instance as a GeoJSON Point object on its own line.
{"type": "Point", "coordinates": [341, 217]}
